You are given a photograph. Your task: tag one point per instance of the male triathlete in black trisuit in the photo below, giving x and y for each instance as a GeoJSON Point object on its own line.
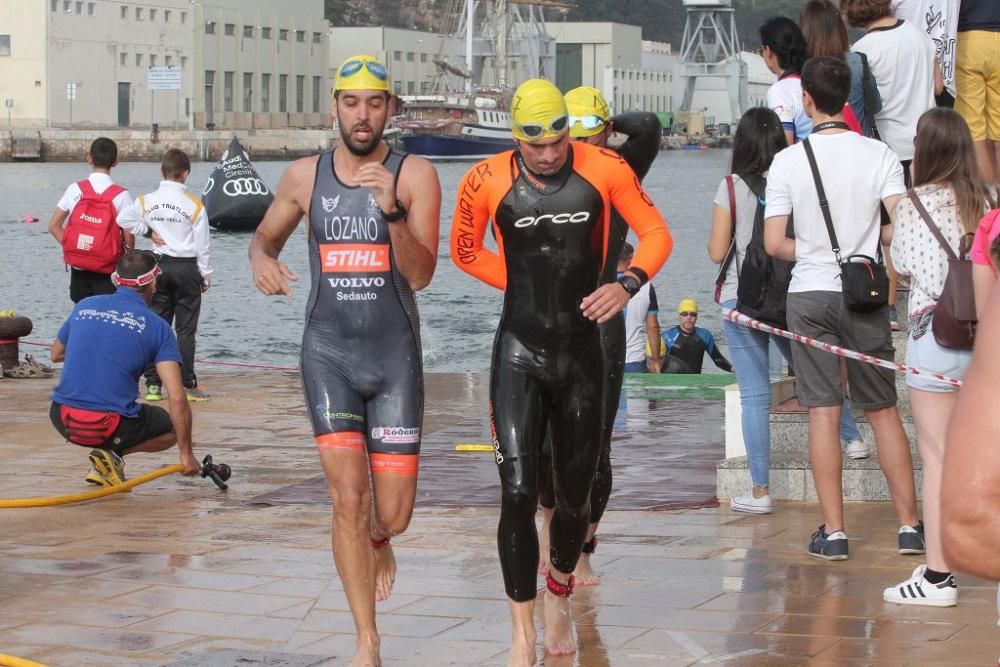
{"type": "Point", "coordinates": [550, 206]}
{"type": "Point", "coordinates": [373, 234]}
{"type": "Point", "coordinates": [590, 122]}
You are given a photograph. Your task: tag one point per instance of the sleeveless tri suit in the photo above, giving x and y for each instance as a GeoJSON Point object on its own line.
{"type": "Point", "coordinates": [548, 363]}
{"type": "Point", "coordinates": [361, 362]}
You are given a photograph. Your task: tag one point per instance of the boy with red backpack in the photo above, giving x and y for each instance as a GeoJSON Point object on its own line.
{"type": "Point", "coordinates": [85, 224]}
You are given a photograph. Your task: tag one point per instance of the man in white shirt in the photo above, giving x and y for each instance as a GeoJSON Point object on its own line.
{"type": "Point", "coordinates": [858, 174]}
{"type": "Point", "coordinates": [102, 157]}
{"type": "Point", "coordinates": [642, 328]}
{"type": "Point", "coordinates": [903, 60]}
{"type": "Point", "coordinates": [179, 220]}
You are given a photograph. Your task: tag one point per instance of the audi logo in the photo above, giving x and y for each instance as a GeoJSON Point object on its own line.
{"type": "Point", "coordinates": [245, 186]}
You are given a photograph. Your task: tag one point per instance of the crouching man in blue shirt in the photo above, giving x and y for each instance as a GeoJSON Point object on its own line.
{"type": "Point", "coordinates": [106, 343]}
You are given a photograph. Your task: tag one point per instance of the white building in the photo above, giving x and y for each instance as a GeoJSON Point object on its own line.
{"type": "Point", "coordinates": [242, 63]}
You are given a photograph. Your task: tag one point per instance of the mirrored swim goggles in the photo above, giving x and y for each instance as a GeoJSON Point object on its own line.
{"type": "Point", "coordinates": [588, 122]}
{"type": "Point", "coordinates": [535, 130]}
{"type": "Point", "coordinates": [147, 278]}
{"type": "Point", "coordinates": [375, 68]}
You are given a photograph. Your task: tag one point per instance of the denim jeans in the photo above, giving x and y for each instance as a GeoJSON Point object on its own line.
{"type": "Point", "coordinates": [635, 366]}
{"type": "Point", "coordinates": [749, 350]}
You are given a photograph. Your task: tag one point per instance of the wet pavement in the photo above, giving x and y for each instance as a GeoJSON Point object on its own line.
{"type": "Point", "coordinates": [178, 573]}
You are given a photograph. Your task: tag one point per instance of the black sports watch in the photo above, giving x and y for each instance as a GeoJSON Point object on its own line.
{"type": "Point", "coordinates": [630, 284]}
{"type": "Point", "coordinates": [396, 215]}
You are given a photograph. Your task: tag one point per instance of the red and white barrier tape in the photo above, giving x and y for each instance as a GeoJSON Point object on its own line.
{"type": "Point", "coordinates": [741, 319]}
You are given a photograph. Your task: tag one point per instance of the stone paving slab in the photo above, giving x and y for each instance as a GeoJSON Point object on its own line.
{"type": "Point", "coordinates": [248, 659]}
{"type": "Point", "coordinates": [178, 573]}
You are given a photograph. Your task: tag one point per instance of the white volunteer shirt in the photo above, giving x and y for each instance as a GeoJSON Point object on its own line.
{"type": "Point", "coordinates": [902, 60]}
{"type": "Point", "coordinates": [784, 97]}
{"type": "Point", "coordinates": [178, 217]}
{"type": "Point", "coordinates": [857, 173]}
{"type": "Point", "coordinates": [639, 306]}
{"type": "Point", "coordinates": [100, 182]}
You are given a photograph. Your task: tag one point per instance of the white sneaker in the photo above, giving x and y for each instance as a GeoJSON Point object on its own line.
{"type": "Point", "coordinates": [917, 590]}
{"type": "Point", "coordinates": [856, 449]}
{"type": "Point", "coordinates": [747, 503]}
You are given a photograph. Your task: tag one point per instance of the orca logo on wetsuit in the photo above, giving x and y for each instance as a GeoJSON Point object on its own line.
{"type": "Point", "coordinates": [556, 219]}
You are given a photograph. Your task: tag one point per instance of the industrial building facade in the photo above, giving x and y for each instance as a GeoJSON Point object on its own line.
{"type": "Point", "coordinates": [239, 63]}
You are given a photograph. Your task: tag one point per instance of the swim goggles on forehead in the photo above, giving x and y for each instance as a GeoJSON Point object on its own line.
{"type": "Point", "coordinates": [147, 278]}
{"type": "Point", "coordinates": [588, 122]}
{"type": "Point", "coordinates": [352, 67]}
{"type": "Point", "coordinates": [535, 130]}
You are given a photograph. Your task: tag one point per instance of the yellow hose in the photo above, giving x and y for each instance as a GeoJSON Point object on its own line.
{"type": "Point", "coordinates": [11, 661]}
{"type": "Point", "coordinates": [79, 498]}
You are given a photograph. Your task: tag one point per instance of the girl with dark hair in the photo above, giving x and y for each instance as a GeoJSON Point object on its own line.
{"type": "Point", "coordinates": [826, 35]}
{"type": "Point", "coordinates": [951, 192]}
{"type": "Point", "coordinates": [759, 137]}
{"type": "Point", "coordinates": [783, 49]}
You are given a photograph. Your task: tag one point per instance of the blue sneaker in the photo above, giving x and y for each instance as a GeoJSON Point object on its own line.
{"type": "Point", "coordinates": [828, 547]}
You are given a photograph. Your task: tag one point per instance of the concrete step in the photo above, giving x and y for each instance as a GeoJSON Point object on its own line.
{"type": "Point", "coordinates": [790, 431]}
{"type": "Point", "coordinates": [791, 478]}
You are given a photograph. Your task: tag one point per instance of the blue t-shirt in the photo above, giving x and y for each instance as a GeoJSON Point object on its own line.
{"type": "Point", "coordinates": [110, 340]}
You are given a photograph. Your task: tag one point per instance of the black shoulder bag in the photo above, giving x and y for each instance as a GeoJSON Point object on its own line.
{"type": "Point", "coordinates": [872, 98]}
{"type": "Point", "coordinates": [864, 280]}
{"type": "Point", "coordinates": [763, 280]}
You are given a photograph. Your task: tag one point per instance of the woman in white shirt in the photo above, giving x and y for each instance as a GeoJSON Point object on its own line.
{"type": "Point", "coordinates": [783, 49]}
{"type": "Point", "coordinates": [949, 186]}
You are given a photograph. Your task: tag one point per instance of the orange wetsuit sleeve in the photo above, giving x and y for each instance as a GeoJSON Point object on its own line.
{"type": "Point", "coordinates": [473, 210]}
{"type": "Point", "coordinates": [639, 213]}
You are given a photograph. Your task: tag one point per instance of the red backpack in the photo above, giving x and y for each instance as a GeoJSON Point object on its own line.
{"type": "Point", "coordinates": [92, 240]}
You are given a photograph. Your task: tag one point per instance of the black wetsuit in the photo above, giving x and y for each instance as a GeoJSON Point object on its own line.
{"type": "Point", "coordinates": [361, 362]}
{"type": "Point", "coordinates": [548, 362]}
{"type": "Point", "coordinates": [639, 150]}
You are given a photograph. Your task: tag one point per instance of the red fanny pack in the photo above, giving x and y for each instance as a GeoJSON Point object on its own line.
{"type": "Point", "coordinates": [87, 427]}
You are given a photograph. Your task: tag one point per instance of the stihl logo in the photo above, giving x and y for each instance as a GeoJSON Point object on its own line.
{"type": "Point", "coordinates": [348, 258]}
{"type": "Point", "coordinates": [90, 218]}
{"type": "Point", "coordinates": [557, 219]}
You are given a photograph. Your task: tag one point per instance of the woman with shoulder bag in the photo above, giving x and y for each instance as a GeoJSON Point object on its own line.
{"type": "Point", "coordinates": [945, 206]}
{"type": "Point", "coordinates": [759, 136]}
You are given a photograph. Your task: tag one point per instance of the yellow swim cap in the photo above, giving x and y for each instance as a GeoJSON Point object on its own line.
{"type": "Point", "coordinates": [362, 73]}
{"type": "Point", "coordinates": [538, 110]}
{"type": "Point", "coordinates": [687, 306]}
{"type": "Point", "coordinates": [588, 112]}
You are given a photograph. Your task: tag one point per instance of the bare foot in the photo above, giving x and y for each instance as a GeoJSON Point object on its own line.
{"type": "Point", "coordinates": [584, 574]}
{"type": "Point", "coordinates": [558, 626]}
{"type": "Point", "coordinates": [385, 572]}
{"type": "Point", "coordinates": [522, 653]}
{"type": "Point", "coordinates": [367, 655]}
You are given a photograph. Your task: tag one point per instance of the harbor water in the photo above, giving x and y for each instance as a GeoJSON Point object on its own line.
{"type": "Point", "coordinates": [238, 324]}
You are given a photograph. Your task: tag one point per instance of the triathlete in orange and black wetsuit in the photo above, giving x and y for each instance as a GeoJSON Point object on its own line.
{"type": "Point", "coordinates": [552, 235]}
{"type": "Point", "coordinates": [639, 151]}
